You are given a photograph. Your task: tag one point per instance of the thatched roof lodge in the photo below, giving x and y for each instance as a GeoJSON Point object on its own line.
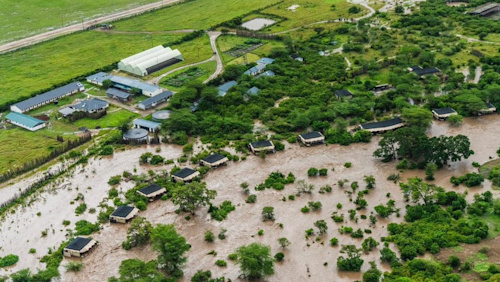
{"type": "Point", "coordinates": [443, 113]}
{"type": "Point", "coordinates": [262, 146]}
{"type": "Point", "coordinates": [214, 160]}
{"type": "Point", "coordinates": [123, 214]}
{"type": "Point", "coordinates": [186, 174]}
{"type": "Point", "coordinates": [383, 126]}
{"type": "Point", "coordinates": [312, 138]}
{"type": "Point", "coordinates": [79, 247]}
{"type": "Point", "coordinates": [152, 191]}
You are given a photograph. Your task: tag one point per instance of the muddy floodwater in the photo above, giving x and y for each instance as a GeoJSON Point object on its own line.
{"type": "Point", "coordinates": [258, 23]}
{"type": "Point", "coordinates": [311, 259]}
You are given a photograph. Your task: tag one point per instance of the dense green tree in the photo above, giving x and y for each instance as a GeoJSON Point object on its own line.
{"type": "Point", "coordinates": [373, 274]}
{"type": "Point", "coordinates": [191, 196]}
{"type": "Point", "coordinates": [136, 270]}
{"type": "Point", "coordinates": [352, 262]}
{"type": "Point", "coordinates": [255, 261]}
{"type": "Point", "coordinates": [138, 233]}
{"type": "Point", "coordinates": [171, 248]}
{"type": "Point", "coordinates": [416, 116]}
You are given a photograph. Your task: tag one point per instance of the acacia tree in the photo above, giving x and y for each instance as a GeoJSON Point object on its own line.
{"type": "Point", "coordinates": [171, 247]}
{"type": "Point", "coordinates": [370, 181]}
{"type": "Point", "coordinates": [418, 190]}
{"type": "Point", "coordinates": [138, 270]}
{"type": "Point", "coordinates": [284, 242]}
{"type": "Point", "coordinates": [353, 262]}
{"type": "Point", "coordinates": [138, 233]}
{"type": "Point", "coordinates": [190, 197]}
{"type": "Point", "coordinates": [321, 225]}
{"type": "Point", "coordinates": [255, 261]}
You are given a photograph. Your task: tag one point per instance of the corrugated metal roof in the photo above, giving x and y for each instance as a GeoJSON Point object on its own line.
{"type": "Point", "coordinates": [268, 73]}
{"type": "Point", "coordinates": [79, 243]}
{"type": "Point", "coordinates": [226, 86]}
{"type": "Point", "coordinates": [47, 96]}
{"type": "Point", "coordinates": [91, 105]}
{"type": "Point", "coordinates": [155, 99]}
{"type": "Point", "coordinates": [132, 83]}
{"type": "Point", "coordinates": [146, 123]}
{"type": "Point", "coordinates": [118, 93]}
{"type": "Point", "coordinates": [26, 120]}
{"type": "Point", "coordinates": [99, 77]}
{"type": "Point", "coordinates": [265, 61]}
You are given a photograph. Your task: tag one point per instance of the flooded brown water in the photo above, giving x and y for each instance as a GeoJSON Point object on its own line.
{"type": "Point", "coordinates": [304, 258]}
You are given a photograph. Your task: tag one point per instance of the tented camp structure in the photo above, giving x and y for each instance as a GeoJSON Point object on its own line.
{"type": "Point", "coordinates": [150, 60]}
{"type": "Point", "coordinates": [79, 247]}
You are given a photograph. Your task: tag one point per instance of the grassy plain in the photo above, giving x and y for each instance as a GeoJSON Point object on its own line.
{"type": "Point", "coordinates": [52, 62]}
{"type": "Point", "coordinates": [114, 117]}
{"type": "Point", "coordinates": [18, 146]}
{"type": "Point", "coordinates": [19, 19]}
{"type": "Point", "coordinates": [309, 12]}
{"type": "Point", "coordinates": [199, 14]}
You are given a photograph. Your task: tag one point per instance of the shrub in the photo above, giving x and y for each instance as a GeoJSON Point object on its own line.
{"type": "Point", "coordinates": [279, 256]}
{"type": "Point", "coordinates": [357, 234]}
{"type": "Point", "coordinates": [74, 266]}
{"type": "Point", "coordinates": [84, 227]}
{"type": "Point", "coordinates": [315, 205]}
{"type": "Point", "coordinates": [323, 172]}
{"type": "Point", "coordinates": [113, 192]}
{"type": "Point", "coordinates": [66, 222]}
{"type": "Point", "coordinates": [278, 146]}
{"type": "Point", "coordinates": [291, 197]}
{"type": "Point", "coordinates": [454, 261]}
{"type": "Point", "coordinates": [268, 213]}
{"type": "Point", "coordinates": [81, 209]}
{"type": "Point", "coordinates": [114, 180]}
{"type": "Point", "coordinates": [222, 234]}
{"type": "Point", "coordinates": [232, 257]}
{"type": "Point", "coordinates": [334, 241]}
{"type": "Point", "coordinates": [261, 232]}
{"type": "Point", "coordinates": [157, 160]}
{"type": "Point", "coordinates": [221, 263]}
{"type": "Point", "coordinates": [220, 213]}
{"type": "Point", "coordinates": [325, 189]}
{"type": "Point", "coordinates": [106, 150]}
{"type": "Point", "coordinates": [305, 209]}
{"type": "Point", "coordinates": [32, 251]}
{"type": "Point", "coordinates": [251, 199]}
{"type": "Point", "coordinates": [8, 260]}
{"type": "Point", "coordinates": [312, 172]}
{"type": "Point", "coordinates": [209, 236]}
{"type": "Point", "coordinates": [348, 165]}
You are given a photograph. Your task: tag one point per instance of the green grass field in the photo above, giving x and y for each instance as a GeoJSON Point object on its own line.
{"type": "Point", "coordinates": [207, 68]}
{"type": "Point", "coordinates": [115, 117]}
{"type": "Point", "coordinates": [18, 146]}
{"type": "Point", "coordinates": [19, 19]}
{"type": "Point", "coordinates": [52, 62]}
{"type": "Point", "coordinates": [310, 11]}
{"type": "Point", "coordinates": [199, 14]}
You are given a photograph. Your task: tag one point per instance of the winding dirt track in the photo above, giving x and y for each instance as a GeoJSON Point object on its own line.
{"type": "Point", "coordinates": [11, 46]}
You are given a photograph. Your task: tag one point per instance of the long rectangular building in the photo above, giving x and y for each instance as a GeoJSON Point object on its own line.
{"type": "Point", "coordinates": [128, 84]}
{"type": "Point", "coordinates": [150, 60]}
{"type": "Point", "coordinates": [155, 100]}
{"type": "Point", "coordinates": [25, 121]}
{"type": "Point", "coordinates": [47, 97]}
{"type": "Point", "coordinates": [382, 126]}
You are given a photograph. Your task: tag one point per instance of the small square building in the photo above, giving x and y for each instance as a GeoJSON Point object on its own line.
{"type": "Point", "coordinates": [262, 146]}
{"type": "Point", "coordinates": [312, 138]}
{"type": "Point", "coordinates": [214, 160]}
{"type": "Point", "coordinates": [79, 247]}
{"type": "Point", "coordinates": [185, 175]}
{"type": "Point", "coordinates": [152, 191]}
{"type": "Point", "coordinates": [443, 113]}
{"type": "Point", "coordinates": [123, 214]}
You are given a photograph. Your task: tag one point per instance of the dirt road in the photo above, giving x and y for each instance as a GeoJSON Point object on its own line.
{"type": "Point", "coordinates": [81, 26]}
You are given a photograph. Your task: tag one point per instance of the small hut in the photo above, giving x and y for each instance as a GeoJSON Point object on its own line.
{"type": "Point", "coordinates": [123, 214]}
{"type": "Point", "coordinates": [443, 113]}
{"type": "Point", "coordinates": [262, 146]}
{"type": "Point", "coordinates": [185, 175]}
{"type": "Point", "coordinates": [214, 160]}
{"type": "Point", "coordinates": [488, 110]}
{"type": "Point", "coordinates": [312, 138]}
{"type": "Point", "coordinates": [79, 247]}
{"type": "Point", "coordinates": [152, 191]}
{"type": "Point", "coordinates": [382, 126]}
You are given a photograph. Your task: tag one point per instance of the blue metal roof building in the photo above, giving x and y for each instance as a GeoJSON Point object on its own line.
{"type": "Point", "coordinates": [99, 78]}
{"type": "Point", "coordinates": [265, 61]}
{"type": "Point", "coordinates": [126, 83]}
{"type": "Point", "coordinates": [225, 87]}
{"type": "Point", "coordinates": [25, 121]}
{"type": "Point", "coordinates": [155, 100]}
{"type": "Point", "coordinates": [47, 97]}
{"type": "Point", "coordinates": [151, 126]}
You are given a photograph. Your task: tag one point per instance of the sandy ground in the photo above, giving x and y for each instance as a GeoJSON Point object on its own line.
{"type": "Point", "coordinates": [304, 258]}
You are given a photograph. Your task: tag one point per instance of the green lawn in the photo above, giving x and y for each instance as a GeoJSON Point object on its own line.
{"type": "Point", "coordinates": [27, 17]}
{"type": "Point", "coordinates": [52, 62]}
{"type": "Point", "coordinates": [207, 69]}
{"type": "Point", "coordinates": [310, 11]}
{"type": "Point", "coordinates": [115, 117]}
{"type": "Point", "coordinates": [18, 146]}
{"type": "Point", "coordinates": [199, 14]}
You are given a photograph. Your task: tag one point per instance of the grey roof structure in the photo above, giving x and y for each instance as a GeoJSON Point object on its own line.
{"type": "Point", "coordinates": [161, 115]}
{"type": "Point", "coordinates": [150, 189]}
{"type": "Point", "coordinates": [185, 172]}
{"type": "Point", "coordinates": [146, 123]}
{"type": "Point", "coordinates": [265, 61]}
{"type": "Point", "coordinates": [444, 111]}
{"type": "Point", "coordinates": [123, 211]}
{"type": "Point", "coordinates": [226, 86]}
{"type": "Point", "coordinates": [490, 106]}
{"type": "Point", "coordinates": [485, 9]}
{"type": "Point", "coordinates": [382, 124]}
{"type": "Point", "coordinates": [256, 69]}
{"type": "Point", "coordinates": [213, 158]}
{"type": "Point", "coordinates": [311, 135]}
{"type": "Point", "coordinates": [426, 71]}
{"type": "Point", "coordinates": [66, 111]}
{"type": "Point", "coordinates": [262, 144]}
{"type": "Point", "coordinates": [343, 93]}
{"type": "Point", "coordinates": [78, 244]}
{"type": "Point", "coordinates": [23, 119]}
{"type": "Point", "coordinates": [268, 73]}
{"type": "Point", "coordinates": [91, 105]}
{"type": "Point", "coordinates": [99, 77]}
{"type": "Point", "coordinates": [253, 91]}
{"type": "Point", "coordinates": [48, 96]}
{"type": "Point", "coordinates": [155, 99]}
{"type": "Point", "coordinates": [133, 83]}
{"type": "Point", "coordinates": [135, 134]}
{"type": "Point", "coordinates": [118, 93]}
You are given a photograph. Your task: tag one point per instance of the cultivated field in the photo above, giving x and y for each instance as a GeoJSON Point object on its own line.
{"type": "Point", "coordinates": [199, 14]}
{"type": "Point", "coordinates": [19, 19]}
{"type": "Point", "coordinates": [55, 61]}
